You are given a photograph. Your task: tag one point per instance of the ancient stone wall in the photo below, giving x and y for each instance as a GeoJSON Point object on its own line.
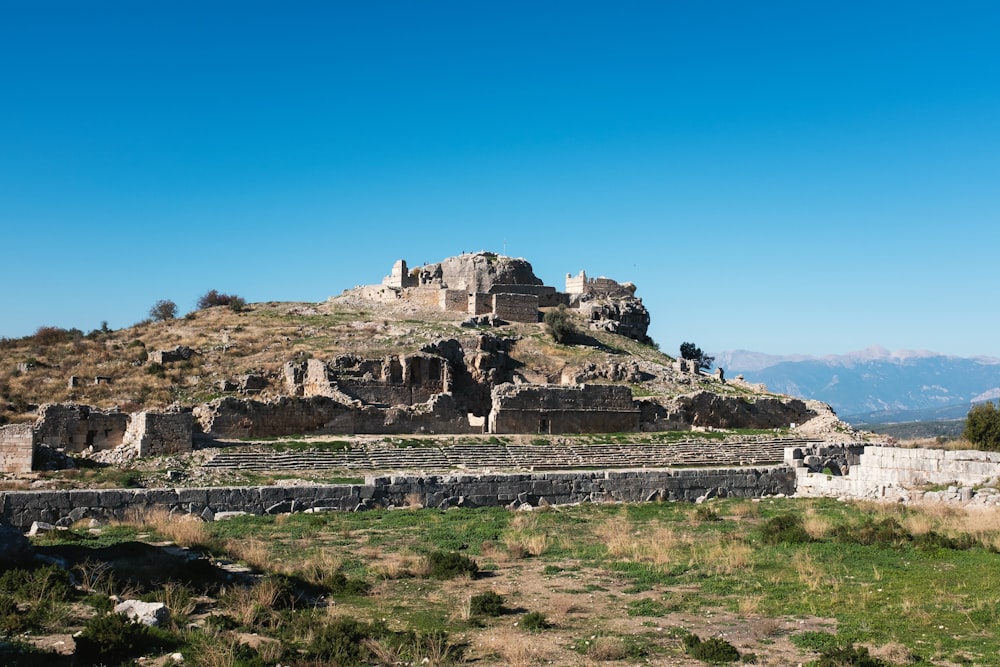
{"type": "Point", "coordinates": [516, 307]}
{"type": "Point", "coordinates": [893, 472]}
{"type": "Point", "coordinates": [453, 300]}
{"type": "Point", "coordinates": [160, 433]}
{"type": "Point", "coordinates": [399, 277]}
{"type": "Point", "coordinates": [21, 508]}
{"type": "Point", "coordinates": [179, 353]}
{"type": "Point", "coordinates": [480, 303]}
{"type": "Point", "coordinates": [76, 427]}
{"type": "Point", "coordinates": [17, 447]}
{"type": "Point", "coordinates": [563, 409]}
{"type": "Point", "coordinates": [234, 418]}
{"type": "Point", "coordinates": [424, 297]}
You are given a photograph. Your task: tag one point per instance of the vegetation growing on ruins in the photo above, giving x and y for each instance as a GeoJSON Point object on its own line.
{"type": "Point", "coordinates": [656, 583]}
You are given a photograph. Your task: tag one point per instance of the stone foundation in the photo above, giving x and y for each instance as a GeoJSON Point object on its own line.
{"type": "Point", "coordinates": [21, 508]}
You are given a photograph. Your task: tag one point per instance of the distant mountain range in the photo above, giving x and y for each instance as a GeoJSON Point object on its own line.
{"type": "Point", "coordinates": [875, 385]}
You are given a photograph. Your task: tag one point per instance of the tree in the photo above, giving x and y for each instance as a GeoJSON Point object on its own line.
{"type": "Point", "coordinates": [559, 324]}
{"type": "Point", "coordinates": [164, 309]}
{"type": "Point", "coordinates": [982, 426]}
{"type": "Point", "coordinates": [692, 352]}
{"type": "Point", "coordinates": [213, 298]}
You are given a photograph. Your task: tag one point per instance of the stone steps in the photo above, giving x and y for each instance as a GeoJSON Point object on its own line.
{"type": "Point", "coordinates": [501, 456]}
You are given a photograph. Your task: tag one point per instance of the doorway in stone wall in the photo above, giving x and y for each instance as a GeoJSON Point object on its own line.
{"type": "Point", "coordinates": [543, 424]}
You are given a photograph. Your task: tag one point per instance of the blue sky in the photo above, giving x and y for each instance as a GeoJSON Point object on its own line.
{"type": "Point", "coordinates": [785, 177]}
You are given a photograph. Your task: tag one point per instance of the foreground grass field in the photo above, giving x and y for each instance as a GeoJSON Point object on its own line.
{"type": "Point", "coordinates": [779, 581]}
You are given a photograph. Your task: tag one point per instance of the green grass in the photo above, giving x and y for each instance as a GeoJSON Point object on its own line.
{"type": "Point", "coordinates": [887, 586]}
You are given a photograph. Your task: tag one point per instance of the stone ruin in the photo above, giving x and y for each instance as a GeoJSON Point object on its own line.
{"type": "Point", "coordinates": [78, 428]}
{"type": "Point", "coordinates": [486, 284]}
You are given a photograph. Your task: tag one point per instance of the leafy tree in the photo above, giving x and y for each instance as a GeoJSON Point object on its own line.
{"type": "Point", "coordinates": [692, 352]}
{"type": "Point", "coordinates": [559, 323]}
{"type": "Point", "coordinates": [164, 309]}
{"type": "Point", "coordinates": [982, 426]}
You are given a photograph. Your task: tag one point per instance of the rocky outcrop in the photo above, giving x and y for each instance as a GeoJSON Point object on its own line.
{"type": "Point", "coordinates": [625, 316]}
{"type": "Point", "coordinates": [481, 272]}
{"type": "Point", "coordinates": [712, 410]}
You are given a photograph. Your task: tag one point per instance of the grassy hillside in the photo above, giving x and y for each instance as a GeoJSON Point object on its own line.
{"type": "Point", "coordinates": [260, 338]}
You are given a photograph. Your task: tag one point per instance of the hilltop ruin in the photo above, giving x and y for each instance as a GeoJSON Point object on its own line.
{"type": "Point", "coordinates": [485, 284]}
{"type": "Point", "coordinates": [471, 381]}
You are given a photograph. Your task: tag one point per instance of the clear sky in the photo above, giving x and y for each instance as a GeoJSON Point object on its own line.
{"type": "Point", "coordinates": [785, 177]}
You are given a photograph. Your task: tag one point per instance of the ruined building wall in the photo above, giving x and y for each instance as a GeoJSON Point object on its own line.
{"type": "Point", "coordinates": [76, 427]}
{"type": "Point", "coordinates": [480, 303]}
{"type": "Point", "coordinates": [453, 300]}
{"type": "Point", "coordinates": [558, 409]}
{"type": "Point", "coordinates": [516, 307]}
{"type": "Point", "coordinates": [234, 418]}
{"type": "Point", "coordinates": [160, 433]}
{"type": "Point", "coordinates": [17, 447]}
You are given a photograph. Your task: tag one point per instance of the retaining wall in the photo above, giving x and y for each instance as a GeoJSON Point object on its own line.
{"type": "Point", "coordinates": [892, 471]}
{"type": "Point", "coordinates": [21, 508]}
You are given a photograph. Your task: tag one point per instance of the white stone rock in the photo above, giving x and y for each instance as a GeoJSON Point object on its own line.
{"type": "Point", "coordinates": [153, 614]}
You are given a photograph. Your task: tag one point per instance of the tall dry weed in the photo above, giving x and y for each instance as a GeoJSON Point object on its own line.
{"type": "Point", "coordinates": [182, 529]}
{"type": "Point", "coordinates": [526, 537]}
{"type": "Point", "coordinates": [515, 649]}
{"type": "Point", "coordinates": [254, 552]}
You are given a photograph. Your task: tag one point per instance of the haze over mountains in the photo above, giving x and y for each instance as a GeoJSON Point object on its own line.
{"type": "Point", "coordinates": [875, 385]}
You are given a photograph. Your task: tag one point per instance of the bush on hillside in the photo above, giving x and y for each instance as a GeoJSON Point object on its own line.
{"type": "Point", "coordinates": [559, 324]}
{"type": "Point", "coordinates": [213, 298]}
{"type": "Point", "coordinates": [982, 426]}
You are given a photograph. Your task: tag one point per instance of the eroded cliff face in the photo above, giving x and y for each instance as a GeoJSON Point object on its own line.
{"type": "Point", "coordinates": [706, 409]}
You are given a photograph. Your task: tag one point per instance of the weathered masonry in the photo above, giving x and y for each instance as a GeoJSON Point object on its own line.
{"type": "Point", "coordinates": [76, 428]}
{"type": "Point", "coordinates": [586, 408]}
{"type": "Point", "coordinates": [21, 508]}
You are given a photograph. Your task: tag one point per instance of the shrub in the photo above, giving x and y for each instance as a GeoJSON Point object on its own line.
{"type": "Point", "coordinates": [712, 650]}
{"type": "Point", "coordinates": [342, 642]}
{"type": "Point", "coordinates": [114, 638]}
{"type": "Point", "coordinates": [559, 324]}
{"type": "Point", "coordinates": [886, 532]}
{"type": "Point", "coordinates": [54, 335]}
{"type": "Point", "coordinates": [213, 298]}
{"type": "Point", "coordinates": [339, 584]}
{"type": "Point", "coordinates": [706, 513]}
{"type": "Point", "coordinates": [486, 604]}
{"type": "Point", "coordinates": [784, 529]}
{"type": "Point", "coordinates": [442, 565]}
{"type": "Point", "coordinates": [534, 621]}
{"type": "Point", "coordinates": [162, 310]}
{"type": "Point", "coordinates": [848, 656]}
{"type": "Point", "coordinates": [45, 584]}
{"type": "Point", "coordinates": [982, 426]}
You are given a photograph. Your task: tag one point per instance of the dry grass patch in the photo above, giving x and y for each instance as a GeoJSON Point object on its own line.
{"type": "Point", "coordinates": [721, 555]}
{"type": "Point", "coordinates": [251, 551]}
{"type": "Point", "coordinates": [525, 537]}
{"type": "Point", "coordinates": [511, 647]}
{"type": "Point", "coordinates": [184, 530]}
{"type": "Point", "coordinates": [394, 565]}
{"type": "Point", "coordinates": [816, 525]}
